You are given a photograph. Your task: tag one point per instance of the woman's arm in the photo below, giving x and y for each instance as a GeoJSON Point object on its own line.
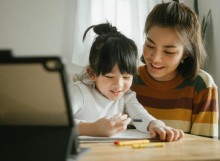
{"type": "Point", "coordinates": [205, 103]}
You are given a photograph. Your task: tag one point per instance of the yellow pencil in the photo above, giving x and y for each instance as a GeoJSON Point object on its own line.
{"type": "Point", "coordinates": [131, 142]}
{"type": "Point", "coordinates": [148, 145]}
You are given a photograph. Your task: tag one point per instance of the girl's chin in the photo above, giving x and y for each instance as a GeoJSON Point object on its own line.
{"type": "Point", "coordinates": [115, 98]}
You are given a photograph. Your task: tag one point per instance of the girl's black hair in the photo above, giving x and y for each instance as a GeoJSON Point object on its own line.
{"type": "Point", "coordinates": [111, 48]}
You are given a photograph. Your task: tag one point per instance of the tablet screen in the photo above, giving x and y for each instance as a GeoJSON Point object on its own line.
{"type": "Point", "coordinates": [33, 91]}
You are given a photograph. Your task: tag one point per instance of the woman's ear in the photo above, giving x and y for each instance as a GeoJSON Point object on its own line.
{"type": "Point", "coordinates": [183, 58]}
{"type": "Point", "coordinates": [90, 73]}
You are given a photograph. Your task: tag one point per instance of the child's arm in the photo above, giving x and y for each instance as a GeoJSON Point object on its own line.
{"type": "Point", "coordinates": [166, 133]}
{"type": "Point", "coordinates": [104, 126]}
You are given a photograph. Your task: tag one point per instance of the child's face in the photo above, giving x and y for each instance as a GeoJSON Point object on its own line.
{"type": "Point", "coordinates": [163, 52]}
{"type": "Point", "coordinates": [113, 85]}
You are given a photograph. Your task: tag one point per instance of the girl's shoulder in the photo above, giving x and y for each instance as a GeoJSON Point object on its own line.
{"type": "Point", "coordinates": [77, 83]}
{"type": "Point", "coordinates": [79, 86]}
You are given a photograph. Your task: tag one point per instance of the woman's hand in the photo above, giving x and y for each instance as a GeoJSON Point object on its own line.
{"type": "Point", "coordinates": [165, 133]}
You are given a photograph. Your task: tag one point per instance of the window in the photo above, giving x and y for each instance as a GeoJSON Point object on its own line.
{"type": "Point", "coordinates": [127, 15]}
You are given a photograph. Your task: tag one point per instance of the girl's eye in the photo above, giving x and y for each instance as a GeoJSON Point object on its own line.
{"type": "Point", "coordinates": [108, 76]}
{"type": "Point", "coordinates": [127, 77]}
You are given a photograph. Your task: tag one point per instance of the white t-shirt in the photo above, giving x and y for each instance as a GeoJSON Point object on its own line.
{"type": "Point", "coordinates": [89, 105]}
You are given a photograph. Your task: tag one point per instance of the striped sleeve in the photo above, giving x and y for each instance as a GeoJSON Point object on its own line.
{"type": "Point", "coordinates": [205, 111]}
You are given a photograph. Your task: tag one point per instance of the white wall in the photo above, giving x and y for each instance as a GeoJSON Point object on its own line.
{"type": "Point", "coordinates": [32, 27]}
{"type": "Point", "coordinates": [38, 27]}
{"type": "Point", "coordinates": [212, 36]}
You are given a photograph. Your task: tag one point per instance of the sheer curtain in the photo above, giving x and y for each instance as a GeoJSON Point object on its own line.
{"type": "Point", "coordinates": [127, 15]}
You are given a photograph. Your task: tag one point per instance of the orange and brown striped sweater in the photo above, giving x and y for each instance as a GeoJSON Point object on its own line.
{"type": "Point", "coordinates": [190, 105]}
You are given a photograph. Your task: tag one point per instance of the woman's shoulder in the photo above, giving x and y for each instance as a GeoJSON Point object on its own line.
{"type": "Point", "coordinates": [206, 78]}
{"type": "Point", "coordinates": [202, 81]}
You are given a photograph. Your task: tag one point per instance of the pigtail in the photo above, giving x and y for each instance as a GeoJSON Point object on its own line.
{"type": "Point", "coordinates": [84, 35]}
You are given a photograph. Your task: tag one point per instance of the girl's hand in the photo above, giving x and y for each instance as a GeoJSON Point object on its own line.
{"type": "Point", "coordinates": [111, 126]}
{"type": "Point", "coordinates": [166, 133]}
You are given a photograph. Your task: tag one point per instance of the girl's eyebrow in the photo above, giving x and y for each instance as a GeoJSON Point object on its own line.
{"type": "Point", "coordinates": [165, 46]}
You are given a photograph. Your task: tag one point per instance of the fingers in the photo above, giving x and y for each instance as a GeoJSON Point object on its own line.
{"type": "Point", "coordinates": [166, 133]}
{"type": "Point", "coordinates": [153, 134]}
{"type": "Point", "coordinates": [126, 121]}
{"type": "Point", "coordinates": [123, 122]}
{"type": "Point", "coordinates": [117, 118]}
{"type": "Point", "coordinates": [117, 127]}
{"type": "Point", "coordinates": [119, 122]}
{"type": "Point", "coordinates": [108, 127]}
{"type": "Point", "coordinates": [124, 116]}
{"type": "Point", "coordinates": [181, 134]}
{"type": "Point", "coordinates": [173, 134]}
{"type": "Point", "coordinates": [121, 118]}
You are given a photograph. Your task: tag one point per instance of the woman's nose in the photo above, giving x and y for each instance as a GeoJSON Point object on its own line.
{"type": "Point", "coordinates": [156, 56]}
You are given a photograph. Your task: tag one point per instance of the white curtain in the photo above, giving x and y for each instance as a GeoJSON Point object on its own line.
{"type": "Point", "coordinates": [127, 15]}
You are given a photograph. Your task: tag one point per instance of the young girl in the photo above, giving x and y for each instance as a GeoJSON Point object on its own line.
{"type": "Point", "coordinates": [101, 99]}
{"type": "Point", "coordinates": [171, 85]}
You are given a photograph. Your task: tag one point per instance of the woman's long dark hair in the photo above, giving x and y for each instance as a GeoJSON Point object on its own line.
{"type": "Point", "coordinates": [187, 26]}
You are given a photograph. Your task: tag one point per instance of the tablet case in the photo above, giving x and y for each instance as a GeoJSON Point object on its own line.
{"type": "Point", "coordinates": [36, 121]}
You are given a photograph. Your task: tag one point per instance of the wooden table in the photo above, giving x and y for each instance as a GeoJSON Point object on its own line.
{"type": "Point", "coordinates": [189, 148]}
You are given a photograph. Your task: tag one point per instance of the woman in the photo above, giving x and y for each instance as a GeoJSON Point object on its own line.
{"type": "Point", "coordinates": [171, 85]}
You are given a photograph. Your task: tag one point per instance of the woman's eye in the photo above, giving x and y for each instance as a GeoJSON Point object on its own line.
{"type": "Point", "coordinates": [150, 46]}
{"type": "Point", "coordinates": [169, 52]}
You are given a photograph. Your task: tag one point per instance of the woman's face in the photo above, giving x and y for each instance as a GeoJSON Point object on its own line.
{"type": "Point", "coordinates": [113, 85]}
{"type": "Point", "coordinates": [163, 52]}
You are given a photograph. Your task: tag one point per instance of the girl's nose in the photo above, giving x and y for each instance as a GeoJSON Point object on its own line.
{"type": "Point", "coordinates": [119, 82]}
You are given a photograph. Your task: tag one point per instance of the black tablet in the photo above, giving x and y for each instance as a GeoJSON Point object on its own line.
{"type": "Point", "coordinates": [36, 120]}
{"type": "Point", "coordinates": [33, 91]}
